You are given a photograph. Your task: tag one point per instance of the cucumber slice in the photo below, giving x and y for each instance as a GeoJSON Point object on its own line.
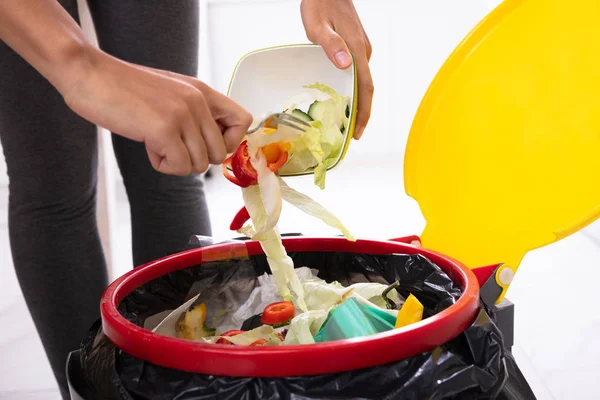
{"type": "Point", "coordinates": [302, 115]}
{"type": "Point", "coordinates": [317, 110]}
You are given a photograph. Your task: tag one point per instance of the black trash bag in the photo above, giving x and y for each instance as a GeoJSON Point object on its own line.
{"type": "Point", "coordinates": [474, 365]}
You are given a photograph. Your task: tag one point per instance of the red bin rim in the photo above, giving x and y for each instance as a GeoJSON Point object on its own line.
{"type": "Point", "coordinates": [292, 360]}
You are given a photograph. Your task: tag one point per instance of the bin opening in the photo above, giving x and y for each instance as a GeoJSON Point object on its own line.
{"type": "Point", "coordinates": [225, 294]}
{"type": "Point", "coordinates": [448, 291]}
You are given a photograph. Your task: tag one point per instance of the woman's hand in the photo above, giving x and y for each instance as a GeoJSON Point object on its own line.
{"type": "Point", "coordinates": [334, 24]}
{"type": "Point", "coordinates": [184, 124]}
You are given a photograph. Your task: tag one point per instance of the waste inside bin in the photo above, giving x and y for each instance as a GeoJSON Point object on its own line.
{"type": "Point", "coordinates": [441, 349]}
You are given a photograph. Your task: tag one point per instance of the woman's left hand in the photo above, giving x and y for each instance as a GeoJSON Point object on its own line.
{"type": "Point", "coordinates": [335, 26]}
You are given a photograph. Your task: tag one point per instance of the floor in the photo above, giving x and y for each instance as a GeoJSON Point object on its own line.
{"type": "Point", "coordinates": [557, 334]}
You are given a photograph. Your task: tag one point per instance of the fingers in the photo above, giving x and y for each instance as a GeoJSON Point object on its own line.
{"type": "Point", "coordinates": [205, 133]}
{"type": "Point", "coordinates": [333, 44]}
{"type": "Point", "coordinates": [365, 94]}
{"type": "Point", "coordinates": [368, 46]}
{"type": "Point", "coordinates": [172, 160]}
{"type": "Point", "coordinates": [338, 48]}
{"type": "Point", "coordinates": [196, 148]}
{"type": "Point", "coordinates": [223, 122]}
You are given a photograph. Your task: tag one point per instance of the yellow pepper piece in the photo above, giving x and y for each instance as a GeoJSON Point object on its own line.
{"type": "Point", "coordinates": [191, 323]}
{"type": "Point", "coordinates": [411, 312]}
{"type": "Point", "coordinates": [273, 151]}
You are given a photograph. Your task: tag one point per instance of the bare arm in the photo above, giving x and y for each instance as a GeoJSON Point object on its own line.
{"type": "Point", "coordinates": [184, 124]}
{"type": "Point", "coordinates": [46, 36]}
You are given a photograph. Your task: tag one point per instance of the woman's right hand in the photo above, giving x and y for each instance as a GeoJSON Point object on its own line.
{"type": "Point", "coordinates": [184, 124]}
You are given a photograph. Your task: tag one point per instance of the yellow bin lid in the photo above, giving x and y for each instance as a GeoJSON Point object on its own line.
{"type": "Point", "coordinates": [504, 152]}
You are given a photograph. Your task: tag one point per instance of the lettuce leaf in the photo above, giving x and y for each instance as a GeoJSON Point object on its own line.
{"type": "Point", "coordinates": [305, 326]}
{"type": "Point", "coordinates": [311, 207]}
{"type": "Point", "coordinates": [270, 192]}
{"type": "Point", "coordinates": [280, 263]}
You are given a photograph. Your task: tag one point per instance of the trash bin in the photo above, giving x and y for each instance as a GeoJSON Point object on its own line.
{"type": "Point", "coordinates": [456, 352]}
{"type": "Point", "coordinates": [498, 166]}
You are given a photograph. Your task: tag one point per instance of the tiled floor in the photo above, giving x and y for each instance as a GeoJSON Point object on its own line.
{"type": "Point", "coordinates": [557, 336]}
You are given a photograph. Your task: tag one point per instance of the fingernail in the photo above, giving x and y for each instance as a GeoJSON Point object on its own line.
{"type": "Point", "coordinates": [342, 58]}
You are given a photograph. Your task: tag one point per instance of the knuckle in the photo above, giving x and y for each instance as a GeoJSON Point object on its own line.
{"type": "Point", "coordinates": [332, 39]}
{"type": "Point", "coordinates": [166, 127]}
{"type": "Point", "coordinates": [247, 119]}
{"type": "Point", "coordinates": [312, 35]}
{"type": "Point", "coordinates": [177, 113]}
{"type": "Point", "coordinates": [193, 96]}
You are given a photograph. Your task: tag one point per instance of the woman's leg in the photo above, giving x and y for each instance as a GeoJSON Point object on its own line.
{"type": "Point", "coordinates": [165, 210]}
{"type": "Point", "coordinates": [51, 157]}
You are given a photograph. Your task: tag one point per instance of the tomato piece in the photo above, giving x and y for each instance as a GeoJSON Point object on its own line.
{"type": "Point", "coordinates": [232, 178]}
{"type": "Point", "coordinates": [259, 342]}
{"type": "Point", "coordinates": [242, 167]}
{"type": "Point", "coordinates": [240, 219]}
{"type": "Point", "coordinates": [229, 333]}
{"type": "Point", "coordinates": [278, 313]}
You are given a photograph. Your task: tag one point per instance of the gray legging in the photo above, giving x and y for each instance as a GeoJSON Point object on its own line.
{"type": "Point", "coordinates": [51, 155]}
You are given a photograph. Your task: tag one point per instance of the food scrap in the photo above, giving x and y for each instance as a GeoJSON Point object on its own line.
{"type": "Point", "coordinates": [293, 306]}
{"type": "Point", "coordinates": [190, 324]}
{"type": "Point", "coordinates": [411, 312]}
{"type": "Point", "coordinates": [262, 155]}
{"type": "Point", "coordinates": [278, 314]}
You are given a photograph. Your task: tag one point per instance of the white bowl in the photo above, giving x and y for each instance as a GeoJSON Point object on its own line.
{"type": "Point", "coordinates": [265, 79]}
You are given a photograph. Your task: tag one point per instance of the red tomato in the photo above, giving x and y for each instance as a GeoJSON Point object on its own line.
{"type": "Point", "coordinates": [278, 313]}
{"type": "Point", "coordinates": [228, 333]}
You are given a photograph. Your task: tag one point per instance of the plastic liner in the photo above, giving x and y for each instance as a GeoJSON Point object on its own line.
{"type": "Point", "coordinates": [475, 365]}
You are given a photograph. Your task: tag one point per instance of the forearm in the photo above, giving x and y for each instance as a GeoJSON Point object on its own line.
{"type": "Point", "coordinates": [46, 36]}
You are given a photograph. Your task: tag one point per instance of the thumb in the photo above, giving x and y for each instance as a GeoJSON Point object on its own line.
{"type": "Point", "coordinates": [335, 48]}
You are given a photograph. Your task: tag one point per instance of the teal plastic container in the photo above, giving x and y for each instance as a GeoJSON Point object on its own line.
{"type": "Point", "coordinates": [352, 319]}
